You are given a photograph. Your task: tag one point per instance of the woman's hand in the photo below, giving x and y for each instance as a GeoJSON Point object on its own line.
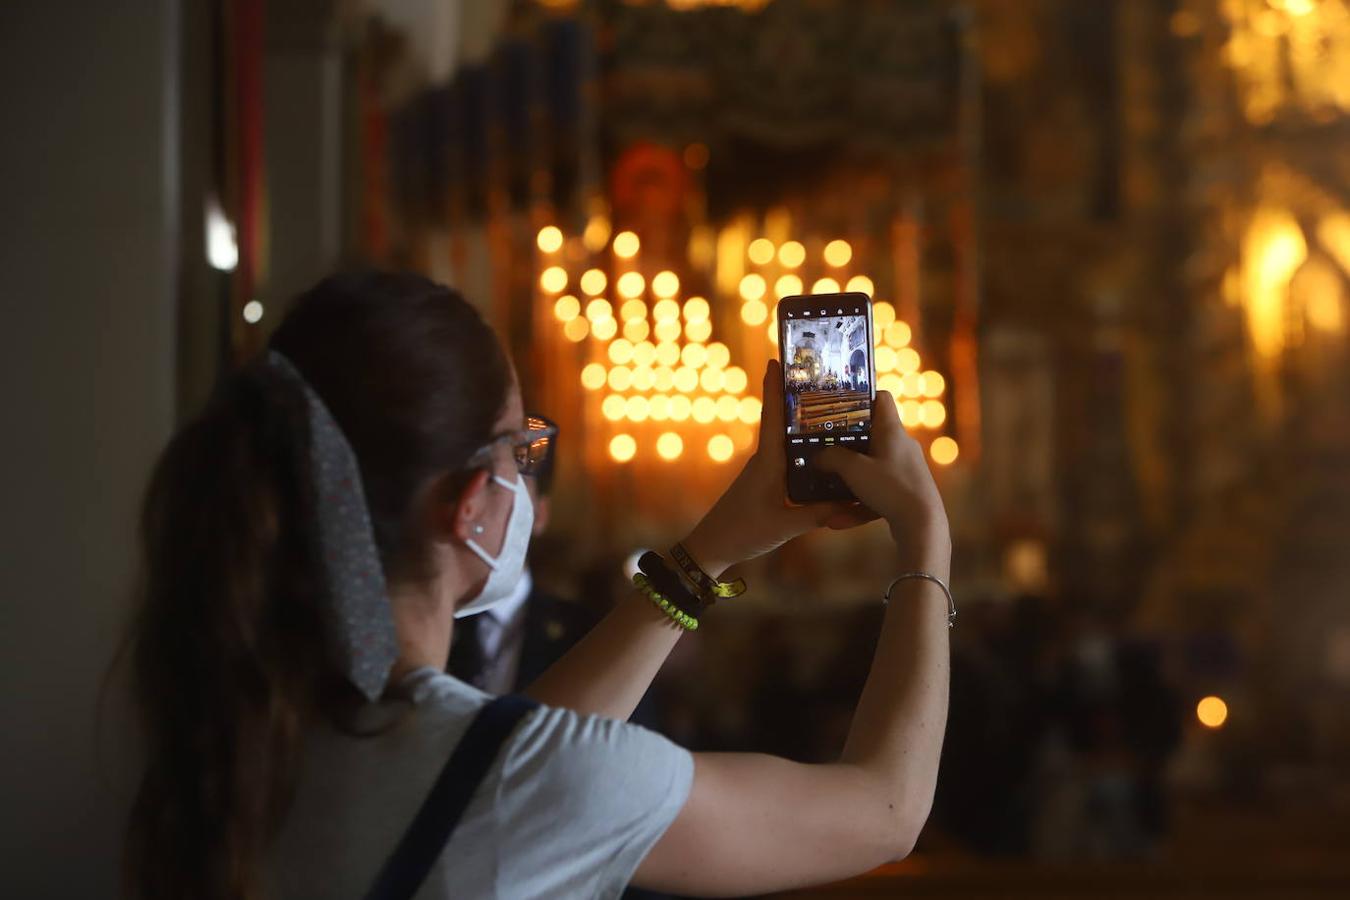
{"type": "Point", "coordinates": [753, 517]}
{"type": "Point", "coordinates": [896, 483]}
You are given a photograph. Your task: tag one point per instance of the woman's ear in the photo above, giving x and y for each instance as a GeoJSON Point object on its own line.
{"type": "Point", "coordinates": [452, 517]}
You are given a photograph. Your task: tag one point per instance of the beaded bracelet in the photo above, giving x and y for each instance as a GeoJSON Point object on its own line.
{"type": "Point", "coordinates": [677, 615]}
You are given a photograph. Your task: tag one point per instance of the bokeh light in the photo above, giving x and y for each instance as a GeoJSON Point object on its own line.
{"type": "Point", "coordinates": [637, 407]}
{"type": "Point", "coordinates": [698, 331]}
{"type": "Point", "coordinates": [593, 376]}
{"type": "Point", "coordinates": [736, 379]}
{"type": "Point", "coordinates": [792, 254]}
{"type": "Point", "coordinates": [720, 448]}
{"type": "Point", "coordinates": [566, 308]}
{"type": "Point", "coordinates": [884, 357]}
{"type": "Point", "coordinates": [598, 309]}
{"type": "Point", "coordinates": [913, 384]}
{"type": "Point", "coordinates": [680, 407]}
{"type": "Point", "coordinates": [753, 286]}
{"type": "Point", "coordinates": [669, 445]}
{"type": "Point", "coordinates": [613, 407]}
{"type": "Point", "coordinates": [694, 355]}
{"type": "Point", "coordinates": [705, 409]}
{"type": "Point", "coordinates": [636, 330]}
{"type": "Point", "coordinates": [696, 309]}
{"type": "Point", "coordinates": [754, 312]}
{"type": "Point", "coordinates": [663, 378]}
{"type": "Point", "coordinates": [933, 384]}
{"type": "Point", "coordinates": [838, 253]}
{"type": "Point", "coordinates": [630, 284]}
{"type": "Point", "coordinates": [633, 309]}
{"type": "Point", "coordinates": [667, 330]}
{"type": "Point", "coordinates": [860, 283]}
{"type": "Point", "coordinates": [712, 380]}
{"type": "Point", "coordinates": [620, 378]}
{"type": "Point", "coordinates": [787, 286]}
{"type": "Point", "coordinates": [907, 360]}
{"type": "Point", "coordinates": [750, 408]}
{"type": "Point", "coordinates": [593, 282]}
{"type": "Point", "coordinates": [576, 329]}
{"type": "Point", "coordinates": [604, 329]}
{"type": "Point", "coordinates": [553, 279]}
{"type": "Point", "coordinates": [728, 408]}
{"type": "Point", "coordinates": [621, 351]}
{"type": "Point", "coordinates": [549, 239]}
{"type": "Point", "coordinates": [825, 286]}
{"type": "Point", "coordinates": [668, 352]}
{"type": "Point", "coordinates": [626, 244]}
{"type": "Point", "coordinates": [686, 379]}
{"type": "Point", "coordinates": [660, 407]}
{"type": "Point", "coordinates": [760, 251]}
{"type": "Point", "coordinates": [911, 413]}
{"type": "Point", "coordinates": [932, 413]}
{"type": "Point", "coordinates": [883, 314]}
{"type": "Point", "coordinates": [644, 378]}
{"type": "Point", "coordinates": [944, 451]}
{"type": "Point", "coordinates": [644, 353]}
{"type": "Point", "coordinates": [718, 355]}
{"type": "Point", "coordinates": [665, 310]}
{"type": "Point", "coordinates": [622, 447]}
{"type": "Point", "coordinates": [1212, 712]}
{"type": "Point", "coordinates": [898, 335]}
{"type": "Point", "coordinates": [665, 284]}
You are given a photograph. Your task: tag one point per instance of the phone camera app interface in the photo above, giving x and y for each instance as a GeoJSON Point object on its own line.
{"type": "Point", "coordinates": [826, 367]}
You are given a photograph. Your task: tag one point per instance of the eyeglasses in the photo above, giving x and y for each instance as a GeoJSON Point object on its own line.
{"type": "Point", "coordinates": [532, 445]}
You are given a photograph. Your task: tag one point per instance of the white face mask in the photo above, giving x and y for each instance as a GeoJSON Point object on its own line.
{"type": "Point", "coordinates": [510, 560]}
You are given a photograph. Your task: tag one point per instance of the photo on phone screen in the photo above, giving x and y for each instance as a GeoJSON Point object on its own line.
{"type": "Point", "coordinates": [826, 346]}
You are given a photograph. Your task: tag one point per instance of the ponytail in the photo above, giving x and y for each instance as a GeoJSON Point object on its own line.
{"type": "Point", "coordinates": [228, 653]}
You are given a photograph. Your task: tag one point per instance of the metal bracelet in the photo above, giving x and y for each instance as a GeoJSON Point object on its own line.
{"type": "Point", "coordinates": [924, 576]}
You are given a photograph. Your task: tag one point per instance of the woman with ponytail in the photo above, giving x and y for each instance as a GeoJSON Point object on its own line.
{"type": "Point", "coordinates": [311, 538]}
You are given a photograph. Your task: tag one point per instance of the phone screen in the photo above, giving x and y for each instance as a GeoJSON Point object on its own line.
{"type": "Point", "coordinates": [828, 377]}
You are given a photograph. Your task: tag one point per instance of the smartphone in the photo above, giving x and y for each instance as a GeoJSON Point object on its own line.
{"type": "Point", "coordinates": [825, 344]}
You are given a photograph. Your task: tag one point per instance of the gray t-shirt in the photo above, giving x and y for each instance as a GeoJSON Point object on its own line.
{"type": "Point", "coordinates": [569, 809]}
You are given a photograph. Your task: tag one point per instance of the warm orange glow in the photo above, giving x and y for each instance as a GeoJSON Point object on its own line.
{"type": "Point", "coordinates": [698, 331]}
{"type": "Point", "coordinates": [576, 329]}
{"type": "Point", "coordinates": [613, 407]}
{"type": "Point", "coordinates": [838, 253]}
{"type": "Point", "coordinates": [680, 407]}
{"type": "Point", "coordinates": [712, 380]}
{"type": "Point", "coordinates": [553, 279]}
{"type": "Point", "coordinates": [660, 407]}
{"type": "Point", "coordinates": [593, 376]}
{"type": "Point", "coordinates": [644, 353]}
{"type": "Point", "coordinates": [620, 378]}
{"type": "Point", "coordinates": [637, 408]}
{"type": "Point", "coordinates": [696, 309]}
{"type": "Point", "coordinates": [550, 239]}
{"type": "Point", "coordinates": [669, 445]}
{"type": "Point", "coordinates": [728, 408]}
{"type": "Point", "coordinates": [753, 286]}
{"type": "Point", "coordinates": [933, 384]}
{"type": "Point", "coordinates": [626, 244]}
{"type": "Point", "coordinates": [596, 234]}
{"type": "Point", "coordinates": [736, 379]}
{"type": "Point", "coordinates": [593, 282]}
{"type": "Point", "coordinates": [907, 360]}
{"type": "Point", "coordinates": [754, 312]}
{"type": "Point", "coordinates": [944, 451]}
{"type": "Point", "coordinates": [787, 286]}
{"type": "Point", "coordinates": [603, 329]}
{"type": "Point", "coordinates": [663, 378]}
{"type": "Point", "coordinates": [705, 409]}
{"type": "Point", "coordinates": [665, 310]}
{"type": "Point", "coordinates": [932, 413]}
{"type": "Point", "coordinates": [760, 251]}
{"type": "Point", "coordinates": [668, 352]}
{"type": "Point", "coordinates": [598, 309]}
{"type": "Point", "coordinates": [695, 155]}
{"type": "Point", "coordinates": [891, 383]}
{"type": "Point", "coordinates": [860, 283]}
{"type": "Point", "coordinates": [1271, 252]}
{"type": "Point", "coordinates": [1333, 231]}
{"type": "Point", "coordinates": [633, 309]}
{"type": "Point", "coordinates": [667, 329]}
{"type": "Point", "coordinates": [911, 413]}
{"type": "Point", "coordinates": [718, 355]}
{"type": "Point", "coordinates": [772, 331]}
{"type": "Point", "coordinates": [884, 357]}
{"type": "Point", "coordinates": [621, 351]}
{"type": "Point", "coordinates": [913, 384]}
{"type": "Point", "coordinates": [825, 286]}
{"type": "Point", "coordinates": [1212, 712]}
{"type": "Point", "coordinates": [694, 355]}
{"type": "Point", "coordinates": [644, 379]}
{"type": "Point", "coordinates": [883, 314]}
{"type": "Point", "coordinates": [720, 448]}
{"type": "Point", "coordinates": [636, 330]}
{"type": "Point", "coordinates": [622, 447]}
{"type": "Point", "coordinates": [792, 254]}
{"type": "Point", "coordinates": [630, 284]}
{"type": "Point", "coordinates": [566, 308]}
{"type": "Point", "coordinates": [749, 410]}
{"type": "Point", "coordinates": [898, 335]}
{"type": "Point", "coordinates": [665, 284]}
{"type": "Point", "coordinates": [686, 379]}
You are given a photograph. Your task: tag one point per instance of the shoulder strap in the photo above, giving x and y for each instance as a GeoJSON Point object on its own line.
{"type": "Point", "coordinates": [417, 851]}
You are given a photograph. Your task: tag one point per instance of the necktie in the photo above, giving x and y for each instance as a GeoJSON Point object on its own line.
{"type": "Point", "coordinates": [467, 661]}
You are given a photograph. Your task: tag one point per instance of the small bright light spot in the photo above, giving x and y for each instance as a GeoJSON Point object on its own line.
{"type": "Point", "coordinates": [686, 379]}
{"type": "Point", "coordinates": [696, 309]}
{"type": "Point", "coordinates": [620, 378]}
{"type": "Point", "coordinates": [553, 279]}
{"type": "Point", "coordinates": [838, 253]}
{"type": "Point", "coordinates": [933, 384]}
{"type": "Point", "coordinates": [222, 249]}
{"type": "Point", "coordinates": [883, 314]}
{"type": "Point", "coordinates": [622, 447]}
{"type": "Point", "coordinates": [665, 310]}
{"type": "Point", "coordinates": [712, 380]}
{"type": "Point", "coordinates": [694, 355]}
{"type": "Point", "coordinates": [728, 408]}
{"type": "Point", "coordinates": [576, 329]}
{"type": "Point", "coordinates": [598, 309]}
{"type": "Point", "coordinates": [932, 413]}
{"type": "Point", "coordinates": [944, 451]}
{"type": "Point", "coordinates": [550, 239]}
{"type": "Point", "coordinates": [633, 309]}
{"type": "Point", "coordinates": [663, 378]}
{"type": "Point", "coordinates": [667, 329]}
{"type": "Point", "coordinates": [669, 445]}
{"type": "Point", "coordinates": [613, 407]}
{"type": "Point", "coordinates": [643, 378]}
{"type": "Point", "coordinates": [860, 283]}
{"type": "Point", "coordinates": [667, 352]}
{"type": "Point", "coordinates": [787, 286]}
{"type": "Point", "coordinates": [772, 332]}
{"type": "Point", "coordinates": [637, 408]}
{"type": "Point", "coordinates": [705, 410]}
{"type": "Point", "coordinates": [885, 358]}
{"type": "Point", "coordinates": [603, 329]}
{"type": "Point", "coordinates": [253, 312]}
{"type": "Point", "coordinates": [636, 330]}
{"type": "Point", "coordinates": [753, 286]}
{"type": "Point", "coordinates": [736, 379]}
{"type": "Point", "coordinates": [626, 244]}
{"type": "Point", "coordinates": [680, 407]}
{"type": "Point", "coordinates": [1212, 712]}
{"type": "Point", "coordinates": [720, 448]}
{"type": "Point", "coordinates": [792, 254]}
{"type": "Point", "coordinates": [644, 353]}
{"type": "Point", "coordinates": [596, 233]}
{"type": "Point", "coordinates": [898, 335]}
{"type": "Point", "coordinates": [825, 286]}
{"type": "Point", "coordinates": [750, 410]}
{"type": "Point", "coordinates": [911, 413]}
{"type": "Point", "coordinates": [566, 308]}
{"type": "Point", "coordinates": [698, 331]}
{"type": "Point", "coordinates": [630, 284]}
{"type": "Point", "coordinates": [907, 360]}
{"type": "Point", "coordinates": [621, 351]}
{"type": "Point", "coordinates": [593, 376]}
{"type": "Point", "coordinates": [754, 312]}
{"type": "Point", "coordinates": [913, 384]}
{"type": "Point", "coordinates": [892, 383]}
{"type": "Point", "coordinates": [660, 408]}
{"type": "Point", "coordinates": [665, 284]}
{"type": "Point", "coordinates": [718, 355]}
{"type": "Point", "coordinates": [760, 251]}
{"type": "Point", "coordinates": [593, 282]}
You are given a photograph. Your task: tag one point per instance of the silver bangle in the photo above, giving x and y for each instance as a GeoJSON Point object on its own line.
{"type": "Point", "coordinates": [924, 576]}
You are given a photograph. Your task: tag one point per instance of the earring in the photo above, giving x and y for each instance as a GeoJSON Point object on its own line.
{"type": "Point", "coordinates": [478, 529]}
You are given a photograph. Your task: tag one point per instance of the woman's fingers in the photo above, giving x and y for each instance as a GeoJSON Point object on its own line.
{"type": "Point", "coordinates": [771, 413]}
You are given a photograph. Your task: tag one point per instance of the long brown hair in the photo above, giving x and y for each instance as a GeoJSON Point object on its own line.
{"type": "Point", "coordinates": [229, 653]}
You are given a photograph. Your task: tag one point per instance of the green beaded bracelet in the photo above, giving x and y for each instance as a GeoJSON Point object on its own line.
{"type": "Point", "coordinates": [677, 615]}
